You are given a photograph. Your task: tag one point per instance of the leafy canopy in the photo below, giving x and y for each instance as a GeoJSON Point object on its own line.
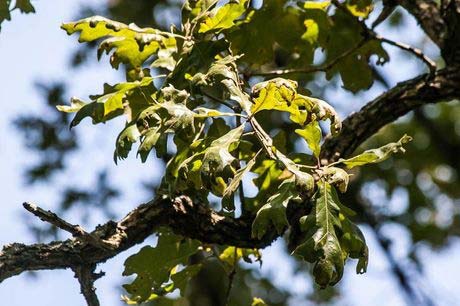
{"type": "Point", "coordinates": [206, 118]}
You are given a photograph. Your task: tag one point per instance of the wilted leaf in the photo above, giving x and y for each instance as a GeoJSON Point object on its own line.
{"type": "Point", "coordinates": [377, 155]}
{"type": "Point", "coordinates": [336, 176]}
{"type": "Point", "coordinates": [233, 186]}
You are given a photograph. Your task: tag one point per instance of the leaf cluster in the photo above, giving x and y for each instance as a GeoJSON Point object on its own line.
{"type": "Point", "coordinates": [204, 115]}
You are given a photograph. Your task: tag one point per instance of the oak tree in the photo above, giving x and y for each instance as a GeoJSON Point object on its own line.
{"type": "Point", "coordinates": [226, 99]}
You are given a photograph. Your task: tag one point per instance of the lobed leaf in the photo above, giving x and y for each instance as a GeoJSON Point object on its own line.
{"type": "Point", "coordinates": [377, 155]}
{"type": "Point", "coordinates": [153, 265]}
{"type": "Point", "coordinates": [116, 100]}
{"type": "Point", "coordinates": [273, 213]}
{"type": "Point", "coordinates": [330, 238]}
{"type": "Point", "coordinates": [132, 45]}
{"type": "Point", "coordinates": [223, 17]}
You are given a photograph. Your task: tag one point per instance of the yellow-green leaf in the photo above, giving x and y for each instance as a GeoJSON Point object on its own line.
{"type": "Point", "coordinates": [133, 45]}
{"type": "Point", "coordinates": [377, 155]}
{"type": "Point", "coordinates": [224, 17]}
{"type": "Point", "coordinates": [312, 135]}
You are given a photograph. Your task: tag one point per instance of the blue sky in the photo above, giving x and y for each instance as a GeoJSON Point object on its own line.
{"type": "Point", "coordinates": [32, 47]}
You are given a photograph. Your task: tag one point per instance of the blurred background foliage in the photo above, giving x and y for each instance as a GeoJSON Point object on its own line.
{"type": "Point", "coordinates": [417, 192]}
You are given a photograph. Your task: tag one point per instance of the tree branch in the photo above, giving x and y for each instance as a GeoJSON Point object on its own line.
{"type": "Point", "coordinates": [86, 277]}
{"type": "Point", "coordinates": [76, 230]}
{"type": "Point", "coordinates": [428, 15]}
{"type": "Point", "coordinates": [444, 85]}
{"type": "Point", "coordinates": [184, 217]}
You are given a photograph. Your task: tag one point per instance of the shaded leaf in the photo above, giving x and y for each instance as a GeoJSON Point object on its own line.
{"type": "Point", "coordinates": [153, 265]}
{"type": "Point", "coordinates": [322, 245]}
{"type": "Point", "coordinates": [233, 186]}
{"type": "Point", "coordinates": [273, 213]}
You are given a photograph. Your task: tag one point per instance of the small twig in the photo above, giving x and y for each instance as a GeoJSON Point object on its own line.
{"type": "Point", "coordinates": [263, 137]}
{"type": "Point", "coordinates": [311, 69]}
{"type": "Point", "coordinates": [231, 277]}
{"type": "Point", "coordinates": [76, 230]}
{"type": "Point", "coordinates": [371, 34]}
{"type": "Point", "coordinates": [417, 52]}
{"type": "Point", "coordinates": [86, 277]}
{"type": "Point", "coordinates": [221, 101]}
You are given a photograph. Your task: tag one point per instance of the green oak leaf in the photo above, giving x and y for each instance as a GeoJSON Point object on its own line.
{"type": "Point", "coordinates": [322, 246]}
{"type": "Point", "coordinates": [129, 135]}
{"type": "Point", "coordinates": [24, 6]}
{"type": "Point", "coordinates": [353, 243]}
{"type": "Point", "coordinates": [377, 155]}
{"type": "Point", "coordinates": [132, 45]}
{"type": "Point", "coordinates": [217, 155]}
{"type": "Point", "coordinates": [181, 278]}
{"type": "Point", "coordinates": [129, 98]}
{"type": "Point", "coordinates": [268, 179]}
{"type": "Point", "coordinates": [273, 213]}
{"type": "Point", "coordinates": [233, 186]}
{"type": "Point", "coordinates": [274, 29]}
{"type": "Point", "coordinates": [153, 265]}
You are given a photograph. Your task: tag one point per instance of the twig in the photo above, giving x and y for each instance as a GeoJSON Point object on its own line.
{"type": "Point", "coordinates": [370, 33]}
{"type": "Point", "coordinates": [222, 101]}
{"type": "Point", "coordinates": [311, 69]}
{"type": "Point", "coordinates": [76, 230]}
{"type": "Point", "coordinates": [417, 52]}
{"type": "Point", "coordinates": [231, 277]}
{"type": "Point", "coordinates": [86, 277]}
{"type": "Point", "coordinates": [263, 137]}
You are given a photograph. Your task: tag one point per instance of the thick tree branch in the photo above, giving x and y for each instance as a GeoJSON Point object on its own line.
{"type": "Point", "coordinates": [196, 220]}
{"type": "Point", "coordinates": [193, 220]}
{"type": "Point", "coordinates": [398, 101]}
{"type": "Point", "coordinates": [441, 22]}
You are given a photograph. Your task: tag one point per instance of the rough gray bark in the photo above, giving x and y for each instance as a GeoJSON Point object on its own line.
{"type": "Point", "coordinates": [193, 220]}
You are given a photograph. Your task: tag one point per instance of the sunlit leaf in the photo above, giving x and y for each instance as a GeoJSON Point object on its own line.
{"type": "Point", "coordinates": [360, 8]}
{"type": "Point", "coordinates": [132, 45]}
{"type": "Point", "coordinates": [377, 155]}
{"type": "Point", "coordinates": [223, 17]}
{"type": "Point", "coordinates": [312, 135]}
